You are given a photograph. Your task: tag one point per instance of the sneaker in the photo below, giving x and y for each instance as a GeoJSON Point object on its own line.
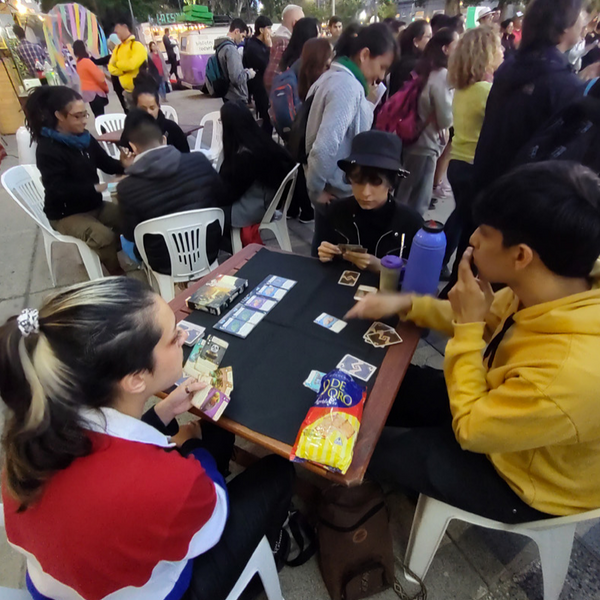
{"type": "Point", "coordinates": [432, 204]}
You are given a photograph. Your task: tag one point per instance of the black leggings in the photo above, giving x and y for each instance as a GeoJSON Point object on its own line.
{"type": "Point", "coordinates": [259, 500]}
{"type": "Point", "coordinates": [97, 105]}
{"type": "Point", "coordinates": [418, 452]}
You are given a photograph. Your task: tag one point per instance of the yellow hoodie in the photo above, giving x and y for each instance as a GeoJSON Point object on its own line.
{"type": "Point", "coordinates": [535, 412]}
{"type": "Point", "coordinates": [126, 60]}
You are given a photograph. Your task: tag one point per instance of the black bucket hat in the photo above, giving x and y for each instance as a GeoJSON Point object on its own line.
{"type": "Point", "coordinates": [376, 149]}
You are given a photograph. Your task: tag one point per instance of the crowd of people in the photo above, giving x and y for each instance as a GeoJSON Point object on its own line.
{"type": "Point", "coordinates": [509, 430]}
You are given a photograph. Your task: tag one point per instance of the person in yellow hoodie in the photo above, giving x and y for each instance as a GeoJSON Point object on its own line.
{"type": "Point", "coordinates": [513, 433]}
{"type": "Point", "coordinates": [127, 59]}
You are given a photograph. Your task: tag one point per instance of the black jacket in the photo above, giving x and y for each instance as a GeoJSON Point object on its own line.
{"type": "Point", "coordinates": [400, 72]}
{"type": "Point", "coordinates": [165, 181]}
{"type": "Point", "coordinates": [256, 56]}
{"type": "Point", "coordinates": [528, 90]}
{"type": "Point", "coordinates": [379, 231]}
{"type": "Point", "coordinates": [172, 131]}
{"type": "Point", "coordinates": [69, 176]}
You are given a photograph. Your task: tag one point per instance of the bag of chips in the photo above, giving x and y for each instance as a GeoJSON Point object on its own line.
{"type": "Point", "coordinates": [329, 431]}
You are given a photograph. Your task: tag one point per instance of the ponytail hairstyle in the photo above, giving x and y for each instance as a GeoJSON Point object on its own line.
{"type": "Point", "coordinates": [43, 103]}
{"type": "Point", "coordinates": [434, 58]}
{"type": "Point", "coordinates": [82, 343]}
{"type": "Point", "coordinates": [378, 38]}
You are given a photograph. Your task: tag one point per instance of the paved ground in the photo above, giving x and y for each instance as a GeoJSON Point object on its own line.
{"type": "Point", "coordinates": [472, 563]}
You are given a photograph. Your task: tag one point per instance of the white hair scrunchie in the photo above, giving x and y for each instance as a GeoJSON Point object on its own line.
{"type": "Point", "coordinates": [28, 322]}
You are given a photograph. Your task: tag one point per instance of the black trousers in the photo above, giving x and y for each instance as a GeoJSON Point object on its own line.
{"type": "Point", "coordinates": [259, 500]}
{"type": "Point", "coordinates": [418, 452]}
{"type": "Point", "coordinates": [172, 60]}
{"type": "Point", "coordinates": [261, 99]}
{"type": "Point", "coordinates": [460, 176]}
{"type": "Point", "coordinates": [97, 105]}
{"type": "Point", "coordinates": [119, 92]}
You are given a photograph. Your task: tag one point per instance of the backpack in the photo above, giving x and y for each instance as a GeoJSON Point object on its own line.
{"type": "Point", "coordinates": [217, 82]}
{"type": "Point", "coordinates": [573, 134]}
{"type": "Point", "coordinates": [297, 136]}
{"type": "Point", "coordinates": [284, 102]}
{"type": "Point", "coordinates": [400, 114]}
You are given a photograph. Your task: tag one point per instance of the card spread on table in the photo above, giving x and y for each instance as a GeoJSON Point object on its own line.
{"type": "Point", "coordinates": [381, 335]}
{"type": "Point", "coordinates": [352, 248]}
{"type": "Point", "coordinates": [270, 291]}
{"type": "Point", "coordinates": [280, 282]}
{"type": "Point", "coordinates": [194, 332]}
{"type": "Point", "coordinates": [356, 367]}
{"type": "Point", "coordinates": [364, 290]}
{"type": "Point", "coordinates": [313, 382]}
{"type": "Point", "coordinates": [329, 322]}
{"type": "Point", "coordinates": [349, 278]}
{"type": "Point", "coordinates": [259, 303]}
{"type": "Point", "coordinates": [240, 321]}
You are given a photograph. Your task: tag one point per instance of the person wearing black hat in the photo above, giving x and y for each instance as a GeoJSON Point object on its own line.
{"type": "Point", "coordinates": [371, 217]}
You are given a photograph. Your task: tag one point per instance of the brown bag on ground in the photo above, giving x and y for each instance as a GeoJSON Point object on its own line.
{"type": "Point", "coordinates": [355, 544]}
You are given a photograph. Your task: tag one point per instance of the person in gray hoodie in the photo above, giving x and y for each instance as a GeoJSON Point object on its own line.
{"type": "Point", "coordinates": [162, 181]}
{"type": "Point", "coordinates": [230, 61]}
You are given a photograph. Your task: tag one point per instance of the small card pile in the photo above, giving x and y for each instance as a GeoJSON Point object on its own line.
{"type": "Point", "coordinates": [203, 364]}
{"type": "Point", "coordinates": [331, 323]}
{"type": "Point", "coordinates": [352, 248]}
{"type": "Point", "coordinates": [313, 381]}
{"type": "Point", "coordinates": [349, 278]}
{"type": "Point", "coordinates": [356, 367]}
{"type": "Point", "coordinates": [364, 290]}
{"type": "Point", "coordinates": [381, 335]}
{"type": "Point", "coordinates": [243, 318]}
{"type": "Point", "coordinates": [195, 332]}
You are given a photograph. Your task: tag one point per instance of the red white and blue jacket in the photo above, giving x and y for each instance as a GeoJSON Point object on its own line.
{"type": "Point", "coordinates": [123, 522]}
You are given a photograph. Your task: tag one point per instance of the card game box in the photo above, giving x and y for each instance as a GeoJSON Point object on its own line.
{"type": "Point", "coordinates": [216, 295]}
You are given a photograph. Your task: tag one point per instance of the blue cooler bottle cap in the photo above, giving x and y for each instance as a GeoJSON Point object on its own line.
{"type": "Point", "coordinates": [391, 262]}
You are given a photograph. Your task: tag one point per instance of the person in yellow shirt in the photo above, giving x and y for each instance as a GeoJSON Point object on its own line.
{"type": "Point", "coordinates": [513, 433]}
{"type": "Point", "coordinates": [127, 58]}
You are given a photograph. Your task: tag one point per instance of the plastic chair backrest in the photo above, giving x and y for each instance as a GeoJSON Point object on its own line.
{"type": "Point", "coordinates": [169, 112]}
{"type": "Point", "coordinates": [216, 140]}
{"type": "Point", "coordinates": [185, 236]}
{"type": "Point", "coordinates": [24, 184]}
{"type": "Point", "coordinates": [110, 122]}
{"type": "Point", "coordinates": [289, 184]}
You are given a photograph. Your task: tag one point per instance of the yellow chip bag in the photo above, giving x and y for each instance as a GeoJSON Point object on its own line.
{"type": "Point", "coordinates": [329, 431]}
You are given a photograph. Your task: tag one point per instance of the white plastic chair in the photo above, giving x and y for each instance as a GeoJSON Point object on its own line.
{"type": "Point", "coordinates": [279, 226]}
{"type": "Point", "coordinates": [554, 538]}
{"type": "Point", "coordinates": [24, 184]}
{"type": "Point", "coordinates": [263, 563]}
{"type": "Point", "coordinates": [169, 112]}
{"type": "Point", "coordinates": [26, 147]}
{"type": "Point", "coordinates": [214, 152]}
{"type": "Point", "coordinates": [185, 236]}
{"type": "Point", "coordinates": [106, 123]}
{"type": "Point", "coordinates": [10, 593]}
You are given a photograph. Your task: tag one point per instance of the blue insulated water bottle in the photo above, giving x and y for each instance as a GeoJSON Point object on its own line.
{"type": "Point", "coordinates": [425, 260]}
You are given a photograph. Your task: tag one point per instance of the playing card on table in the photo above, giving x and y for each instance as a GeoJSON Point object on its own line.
{"type": "Point", "coordinates": [356, 367]}
{"type": "Point", "coordinates": [313, 382]}
{"type": "Point", "coordinates": [194, 332]}
{"type": "Point", "coordinates": [280, 282]}
{"type": "Point", "coordinates": [329, 322]}
{"type": "Point", "coordinates": [349, 278]}
{"type": "Point", "coordinates": [382, 339]}
{"type": "Point", "coordinates": [364, 290]}
{"type": "Point", "coordinates": [259, 303]}
{"type": "Point", "coordinates": [236, 327]}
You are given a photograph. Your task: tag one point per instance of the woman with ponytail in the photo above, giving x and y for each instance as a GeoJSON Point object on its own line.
{"type": "Point", "coordinates": [68, 158]}
{"type": "Point", "coordinates": [95, 494]}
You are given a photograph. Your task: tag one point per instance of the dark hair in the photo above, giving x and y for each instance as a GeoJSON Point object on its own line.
{"type": "Point", "coordinates": [260, 23]}
{"type": "Point", "coordinates": [122, 20]}
{"type": "Point", "coordinates": [238, 24]}
{"type": "Point", "coordinates": [354, 171]}
{"type": "Point", "coordinates": [342, 46]}
{"type": "Point", "coordinates": [305, 29]}
{"type": "Point", "coordinates": [141, 128]}
{"type": "Point", "coordinates": [333, 20]}
{"type": "Point", "coordinates": [79, 50]}
{"type": "Point", "coordinates": [506, 23]}
{"type": "Point", "coordinates": [394, 24]}
{"type": "Point", "coordinates": [553, 207]}
{"type": "Point", "coordinates": [241, 133]}
{"type": "Point", "coordinates": [43, 103]}
{"type": "Point", "coordinates": [90, 336]}
{"type": "Point", "coordinates": [415, 31]}
{"type": "Point", "coordinates": [458, 24]}
{"type": "Point", "coordinates": [315, 55]}
{"type": "Point", "coordinates": [376, 37]}
{"type": "Point", "coordinates": [441, 21]}
{"type": "Point", "coordinates": [545, 22]}
{"type": "Point", "coordinates": [145, 85]}
{"type": "Point", "coordinates": [434, 57]}
{"type": "Point", "coordinates": [19, 32]}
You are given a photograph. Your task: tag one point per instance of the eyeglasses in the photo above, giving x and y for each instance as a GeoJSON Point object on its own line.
{"type": "Point", "coordinates": [79, 116]}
